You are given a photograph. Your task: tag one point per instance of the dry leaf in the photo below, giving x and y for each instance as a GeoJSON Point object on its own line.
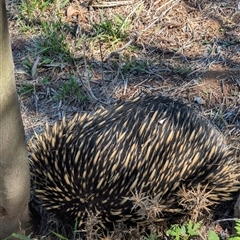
{"type": "Point", "coordinates": [79, 14]}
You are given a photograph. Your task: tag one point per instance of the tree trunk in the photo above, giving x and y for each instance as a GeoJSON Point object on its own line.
{"type": "Point", "coordinates": [14, 168]}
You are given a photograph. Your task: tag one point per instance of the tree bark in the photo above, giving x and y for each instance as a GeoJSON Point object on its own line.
{"type": "Point", "coordinates": [14, 167]}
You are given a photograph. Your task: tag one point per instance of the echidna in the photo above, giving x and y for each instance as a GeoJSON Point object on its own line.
{"type": "Point", "coordinates": [151, 146]}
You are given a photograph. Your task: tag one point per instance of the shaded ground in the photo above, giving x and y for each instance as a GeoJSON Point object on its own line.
{"type": "Point", "coordinates": [185, 49]}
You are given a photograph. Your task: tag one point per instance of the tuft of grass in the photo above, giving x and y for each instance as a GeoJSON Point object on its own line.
{"type": "Point", "coordinates": [27, 63]}
{"type": "Point", "coordinates": [137, 66]}
{"type": "Point", "coordinates": [196, 200]}
{"type": "Point", "coordinates": [30, 14]}
{"type": "Point", "coordinates": [152, 236]}
{"type": "Point", "coordinates": [218, 118]}
{"type": "Point", "coordinates": [71, 91]}
{"type": "Point", "coordinates": [52, 43]}
{"type": "Point", "coordinates": [228, 43]}
{"type": "Point", "coordinates": [182, 70]}
{"type": "Point", "coordinates": [30, 9]}
{"type": "Point", "coordinates": [146, 207]}
{"type": "Point", "coordinates": [26, 89]}
{"type": "Point", "coordinates": [33, 13]}
{"type": "Point", "coordinates": [112, 31]}
{"type": "Point", "coordinates": [46, 80]}
{"type": "Point", "coordinates": [44, 19]}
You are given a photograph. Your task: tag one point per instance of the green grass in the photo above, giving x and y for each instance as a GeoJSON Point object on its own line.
{"type": "Point", "coordinates": [52, 43]}
{"type": "Point", "coordinates": [130, 65]}
{"type": "Point", "coordinates": [112, 31]}
{"type": "Point", "coordinates": [30, 14]}
{"type": "Point", "coordinates": [139, 66]}
{"type": "Point", "coordinates": [31, 8]}
{"type": "Point", "coordinates": [26, 89]}
{"type": "Point", "coordinates": [182, 70]}
{"type": "Point", "coordinates": [46, 80]}
{"type": "Point", "coordinates": [43, 18]}
{"type": "Point", "coordinates": [27, 63]}
{"type": "Point", "coordinates": [70, 91]}
{"type": "Point", "coordinates": [18, 236]}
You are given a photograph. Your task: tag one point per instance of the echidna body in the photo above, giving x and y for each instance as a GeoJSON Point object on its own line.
{"type": "Point", "coordinates": [151, 146]}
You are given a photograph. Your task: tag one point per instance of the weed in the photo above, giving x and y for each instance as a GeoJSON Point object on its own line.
{"type": "Point", "coordinates": [112, 31]}
{"type": "Point", "coordinates": [26, 89]}
{"type": "Point", "coordinates": [53, 40]}
{"type": "Point", "coordinates": [191, 230]}
{"type": "Point", "coordinates": [182, 70]}
{"type": "Point", "coordinates": [184, 232]}
{"type": "Point", "coordinates": [218, 117]}
{"type": "Point", "coordinates": [33, 13]}
{"type": "Point", "coordinates": [146, 207]}
{"type": "Point", "coordinates": [27, 63]}
{"type": "Point", "coordinates": [237, 228]}
{"type": "Point", "coordinates": [29, 13]}
{"type": "Point", "coordinates": [70, 91]}
{"type": "Point", "coordinates": [45, 80]}
{"type": "Point", "coordinates": [30, 8]}
{"type": "Point", "coordinates": [228, 43]}
{"type": "Point", "coordinates": [212, 235]}
{"type": "Point", "coordinates": [133, 65]}
{"type": "Point", "coordinates": [152, 236]}
{"type": "Point", "coordinates": [196, 200]}
{"type": "Point", "coordinates": [136, 66]}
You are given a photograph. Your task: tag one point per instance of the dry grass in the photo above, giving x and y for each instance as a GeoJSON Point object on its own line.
{"type": "Point", "coordinates": [116, 50]}
{"type": "Point", "coordinates": [196, 201]}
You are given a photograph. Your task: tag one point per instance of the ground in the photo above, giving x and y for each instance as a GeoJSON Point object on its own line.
{"type": "Point", "coordinates": [78, 56]}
